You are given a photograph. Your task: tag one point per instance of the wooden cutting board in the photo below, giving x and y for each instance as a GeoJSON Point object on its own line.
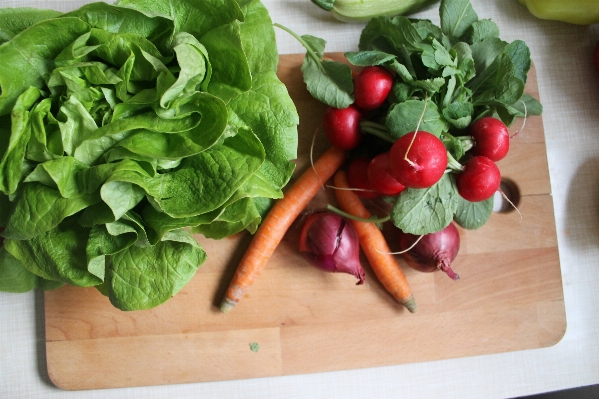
{"type": "Point", "coordinates": [296, 319]}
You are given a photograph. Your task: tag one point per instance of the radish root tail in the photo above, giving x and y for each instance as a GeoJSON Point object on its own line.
{"type": "Point", "coordinates": [411, 163]}
{"type": "Point", "coordinates": [523, 121]}
{"type": "Point", "coordinates": [405, 250]}
{"type": "Point", "coordinates": [312, 155]}
{"type": "Point", "coordinates": [505, 197]}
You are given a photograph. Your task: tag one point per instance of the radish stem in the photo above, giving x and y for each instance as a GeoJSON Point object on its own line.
{"type": "Point", "coordinates": [311, 52]}
{"type": "Point", "coordinates": [376, 129]}
{"type": "Point", "coordinates": [356, 218]}
{"type": "Point", "coordinates": [453, 164]}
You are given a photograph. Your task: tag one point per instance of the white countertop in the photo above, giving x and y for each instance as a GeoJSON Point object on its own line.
{"type": "Point", "coordinates": [569, 91]}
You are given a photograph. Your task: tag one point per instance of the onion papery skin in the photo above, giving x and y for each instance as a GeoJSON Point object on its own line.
{"type": "Point", "coordinates": [330, 243]}
{"type": "Point", "coordinates": [433, 252]}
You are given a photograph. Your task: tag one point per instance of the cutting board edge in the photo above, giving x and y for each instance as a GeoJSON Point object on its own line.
{"type": "Point", "coordinates": [63, 380]}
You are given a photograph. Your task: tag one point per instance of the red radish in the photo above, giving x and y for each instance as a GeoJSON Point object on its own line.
{"type": "Point", "coordinates": [342, 127]}
{"type": "Point", "coordinates": [371, 87]}
{"type": "Point", "coordinates": [418, 159]}
{"type": "Point", "coordinates": [433, 251]}
{"type": "Point", "coordinates": [479, 180]}
{"type": "Point", "coordinates": [491, 138]}
{"type": "Point", "coordinates": [357, 174]}
{"type": "Point", "coordinates": [329, 242]}
{"type": "Point", "coordinates": [380, 178]}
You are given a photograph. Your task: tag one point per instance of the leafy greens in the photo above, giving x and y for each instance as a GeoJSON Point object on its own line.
{"type": "Point", "coordinates": [125, 128]}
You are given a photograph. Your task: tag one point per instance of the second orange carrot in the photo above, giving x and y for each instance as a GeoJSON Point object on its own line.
{"type": "Point", "coordinates": [374, 244]}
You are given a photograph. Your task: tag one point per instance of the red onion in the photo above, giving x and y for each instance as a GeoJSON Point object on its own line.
{"type": "Point", "coordinates": [433, 251]}
{"type": "Point", "coordinates": [329, 242]}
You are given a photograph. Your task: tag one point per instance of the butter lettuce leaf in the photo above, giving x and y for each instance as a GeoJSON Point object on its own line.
{"type": "Point", "coordinates": [15, 20]}
{"type": "Point", "coordinates": [135, 277]}
{"type": "Point", "coordinates": [57, 254]}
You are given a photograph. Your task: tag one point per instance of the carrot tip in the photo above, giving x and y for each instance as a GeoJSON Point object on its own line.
{"type": "Point", "coordinates": [226, 305]}
{"type": "Point", "coordinates": [410, 304]}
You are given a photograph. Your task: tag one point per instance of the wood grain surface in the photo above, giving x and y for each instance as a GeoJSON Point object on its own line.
{"type": "Point", "coordinates": [509, 297]}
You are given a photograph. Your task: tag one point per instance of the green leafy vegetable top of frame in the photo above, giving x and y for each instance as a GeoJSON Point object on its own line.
{"type": "Point", "coordinates": [124, 124]}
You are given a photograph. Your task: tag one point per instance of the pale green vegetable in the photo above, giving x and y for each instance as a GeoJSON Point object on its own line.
{"type": "Point", "coordinates": [364, 10]}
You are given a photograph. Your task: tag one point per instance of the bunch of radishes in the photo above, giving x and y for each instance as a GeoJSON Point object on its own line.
{"type": "Point", "coordinates": [417, 159]}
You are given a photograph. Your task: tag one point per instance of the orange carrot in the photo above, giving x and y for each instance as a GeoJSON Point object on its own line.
{"type": "Point", "coordinates": [374, 245]}
{"type": "Point", "coordinates": [277, 222]}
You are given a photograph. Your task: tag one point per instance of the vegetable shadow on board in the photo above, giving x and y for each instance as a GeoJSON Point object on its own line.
{"type": "Point", "coordinates": [582, 221]}
{"type": "Point", "coordinates": [40, 335]}
{"type": "Point", "coordinates": [229, 270]}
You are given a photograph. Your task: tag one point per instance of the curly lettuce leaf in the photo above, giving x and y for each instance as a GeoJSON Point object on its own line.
{"type": "Point", "coordinates": [135, 277]}
{"type": "Point", "coordinates": [16, 20]}
{"type": "Point", "coordinates": [129, 123]}
{"type": "Point", "coordinates": [29, 56]}
{"type": "Point", "coordinates": [57, 254]}
{"type": "Point", "coordinates": [15, 278]}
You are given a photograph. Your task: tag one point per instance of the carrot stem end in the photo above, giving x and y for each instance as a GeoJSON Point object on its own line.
{"type": "Point", "coordinates": [226, 305]}
{"type": "Point", "coordinates": [410, 304]}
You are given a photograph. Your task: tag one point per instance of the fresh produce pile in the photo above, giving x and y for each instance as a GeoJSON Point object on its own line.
{"type": "Point", "coordinates": [422, 124]}
{"type": "Point", "coordinates": [424, 121]}
{"type": "Point", "coordinates": [124, 128]}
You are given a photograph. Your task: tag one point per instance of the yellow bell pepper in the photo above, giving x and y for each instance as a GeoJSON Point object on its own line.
{"type": "Point", "coordinates": [580, 12]}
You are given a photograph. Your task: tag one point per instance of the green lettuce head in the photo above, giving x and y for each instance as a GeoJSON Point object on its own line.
{"type": "Point", "coordinates": [125, 128]}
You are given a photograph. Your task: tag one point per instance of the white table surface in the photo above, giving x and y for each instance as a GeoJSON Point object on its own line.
{"type": "Point", "coordinates": [569, 91]}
